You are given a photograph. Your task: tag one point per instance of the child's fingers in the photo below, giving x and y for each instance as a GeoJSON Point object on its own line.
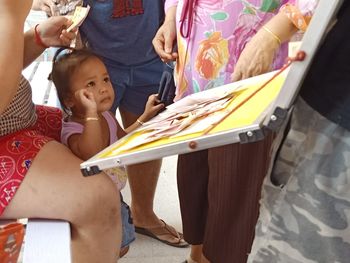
{"type": "Point", "coordinates": [158, 107]}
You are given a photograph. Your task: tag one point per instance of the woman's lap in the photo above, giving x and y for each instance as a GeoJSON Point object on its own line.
{"type": "Point", "coordinates": [18, 150]}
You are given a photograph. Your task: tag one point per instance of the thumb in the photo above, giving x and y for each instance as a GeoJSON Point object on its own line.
{"type": "Point", "coordinates": [236, 75]}
{"type": "Point", "coordinates": [168, 45]}
{"type": "Point", "coordinates": [158, 107]}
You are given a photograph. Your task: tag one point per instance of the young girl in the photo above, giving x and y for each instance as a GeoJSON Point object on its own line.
{"type": "Point", "coordinates": [86, 95]}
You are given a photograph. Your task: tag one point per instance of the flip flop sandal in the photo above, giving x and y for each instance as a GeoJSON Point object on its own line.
{"type": "Point", "coordinates": [166, 234]}
{"type": "Point", "coordinates": [123, 251]}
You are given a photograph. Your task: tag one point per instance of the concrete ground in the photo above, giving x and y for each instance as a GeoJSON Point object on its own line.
{"type": "Point", "coordinates": [166, 204]}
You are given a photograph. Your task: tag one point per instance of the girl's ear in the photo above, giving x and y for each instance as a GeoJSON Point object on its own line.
{"type": "Point", "coordinates": [69, 102]}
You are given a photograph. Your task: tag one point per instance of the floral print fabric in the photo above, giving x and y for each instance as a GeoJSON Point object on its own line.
{"type": "Point", "coordinates": [300, 13]}
{"type": "Point", "coordinates": [18, 150]}
{"type": "Point", "coordinates": [219, 33]}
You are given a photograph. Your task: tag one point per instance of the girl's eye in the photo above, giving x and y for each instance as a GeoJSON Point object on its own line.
{"type": "Point", "coordinates": [106, 79]}
{"type": "Point", "coordinates": [90, 84]}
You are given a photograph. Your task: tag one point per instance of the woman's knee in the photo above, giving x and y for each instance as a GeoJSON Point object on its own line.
{"type": "Point", "coordinates": [99, 202]}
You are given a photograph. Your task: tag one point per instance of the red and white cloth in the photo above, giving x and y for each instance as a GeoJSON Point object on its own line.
{"type": "Point", "coordinates": [18, 150]}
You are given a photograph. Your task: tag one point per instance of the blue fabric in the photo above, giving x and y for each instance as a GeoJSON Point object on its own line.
{"type": "Point", "coordinates": [133, 85]}
{"type": "Point", "coordinates": [128, 228]}
{"type": "Point", "coordinates": [125, 44]}
{"type": "Point", "coordinates": [126, 40]}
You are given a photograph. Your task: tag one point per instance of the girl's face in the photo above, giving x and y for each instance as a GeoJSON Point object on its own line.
{"type": "Point", "coordinates": [92, 76]}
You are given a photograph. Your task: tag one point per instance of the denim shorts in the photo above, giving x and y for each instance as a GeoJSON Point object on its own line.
{"type": "Point", "coordinates": [134, 84]}
{"type": "Point", "coordinates": [128, 235]}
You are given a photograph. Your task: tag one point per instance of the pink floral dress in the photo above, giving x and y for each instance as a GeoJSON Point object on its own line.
{"type": "Point", "coordinates": [219, 33]}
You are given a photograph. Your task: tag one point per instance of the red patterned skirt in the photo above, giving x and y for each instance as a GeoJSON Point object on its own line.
{"type": "Point", "coordinates": [17, 150]}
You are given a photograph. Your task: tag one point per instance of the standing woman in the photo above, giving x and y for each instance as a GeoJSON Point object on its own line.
{"type": "Point", "coordinates": [34, 183]}
{"type": "Point", "coordinates": [218, 41]}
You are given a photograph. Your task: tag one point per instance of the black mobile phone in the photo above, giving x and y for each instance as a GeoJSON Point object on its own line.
{"type": "Point", "coordinates": [167, 88]}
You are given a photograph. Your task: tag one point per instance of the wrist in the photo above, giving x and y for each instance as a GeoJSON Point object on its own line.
{"type": "Point", "coordinates": [91, 113]}
{"type": "Point", "coordinates": [37, 37]}
{"type": "Point", "coordinates": [91, 119]}
{"type": "Point", "coordinates": [141, 123]}
{"type": "Point", "coordinates": [142, 119]}
{"type": "Point", "coordinates": [272, 34]}
{"type": "Point", "coordinates": [170, 14]}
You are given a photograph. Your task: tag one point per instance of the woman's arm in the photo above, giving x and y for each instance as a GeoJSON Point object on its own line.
{"type": "Point", "coordinates": [49, 33]}
{"type": "Point", "coordinates": [164, 40]}
{"type": "Point", "coordinates": [170, 3]}
{"type": "Point", "coordinates": [258, 55]}
{"type": "Point", "coordinates": [12, 17]}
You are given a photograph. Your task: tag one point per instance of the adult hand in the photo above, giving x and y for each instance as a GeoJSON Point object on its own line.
{"type": "Point", "coordinates": [257, 56]}
{"type": "Point", "coordinates": [163, 41]}
{"type": "Point", "coordinates": [53, 31]}
{"type": "Point", "coordinates": [48, 6]}
{"type": "Point", "coordinates": [153, 106]}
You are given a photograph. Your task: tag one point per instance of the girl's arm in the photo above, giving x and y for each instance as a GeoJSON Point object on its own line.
{"type": "Point", "coordinates": [91, 140]}
{"type": "Point", "coordinates": [94, 137]}
{"type": "Point", "coordinates": [153, 106]}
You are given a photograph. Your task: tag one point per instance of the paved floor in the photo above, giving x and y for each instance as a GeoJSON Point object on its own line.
{"type": "Point", "coordinates": [145, 249]}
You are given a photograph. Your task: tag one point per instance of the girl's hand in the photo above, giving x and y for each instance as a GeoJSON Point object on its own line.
{"type": "Point", "coordinates": [53, 31]}
{"type": "Point", "coordinates": [85, 100]}
{"type": "Point", "coordinates": [153, 106]}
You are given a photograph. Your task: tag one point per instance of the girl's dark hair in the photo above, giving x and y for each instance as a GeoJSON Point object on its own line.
{"type": "Point", "coordinates": [65, 62]}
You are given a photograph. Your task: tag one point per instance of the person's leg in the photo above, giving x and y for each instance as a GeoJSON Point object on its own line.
{"type": "Point", "coordinates": [138, 84]}
{"type": "Point", "coordinates": [143, 180]}
{"type": "Point", "coordinates": [236, 175]}
{"type": "Point", "coordinates": [196, 253]}
{"type": "Point", "coordinates": [192, 180]}
{"type": "Point", "coordinates": [55, 188]}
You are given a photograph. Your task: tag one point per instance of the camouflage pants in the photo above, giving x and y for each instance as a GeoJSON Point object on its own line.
{"type": "Point", "coordinates": [305, 207]}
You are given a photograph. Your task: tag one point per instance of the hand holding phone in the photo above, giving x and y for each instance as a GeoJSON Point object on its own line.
{"type": "Point", "coordinates": [167, 88]}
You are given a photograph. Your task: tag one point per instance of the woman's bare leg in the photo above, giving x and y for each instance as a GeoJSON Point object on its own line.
{"type": "Point", "coordinates": [204, 259]}
{"type": "Point", "coordinates": [54, 188]}
{"type": "Point", "coordinates": [196, 252]}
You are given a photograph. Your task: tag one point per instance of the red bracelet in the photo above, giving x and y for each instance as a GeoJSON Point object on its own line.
{"type": "Point", "coordinates": [38, 39]}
